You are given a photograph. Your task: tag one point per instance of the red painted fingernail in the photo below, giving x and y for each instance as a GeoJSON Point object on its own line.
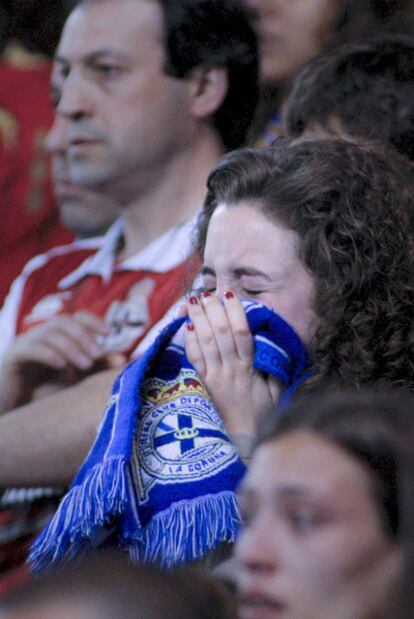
{"type": "Point", "coordinates": [193, 301]}
{"type": "Point", "coordinates": [206, 294]}
{"type": "Point", "coordinates": [229, 294]}
{"type": "Point", "coordinates": [190, 326]}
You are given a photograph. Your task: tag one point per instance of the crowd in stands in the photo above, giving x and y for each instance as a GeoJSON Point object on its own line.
{"type": "Point", "coordinates": [207, 343]}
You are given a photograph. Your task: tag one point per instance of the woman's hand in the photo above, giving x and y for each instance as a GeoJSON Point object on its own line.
{"type": "Point", "coordinates": [219, 345]}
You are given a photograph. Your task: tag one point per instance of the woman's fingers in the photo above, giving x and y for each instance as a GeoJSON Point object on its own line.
{"type": "Point", "coordinates": [204, 332]}
{"type": "Point", "coordinates": [220, 346]}
{"type": "Point", "coordinates": [221, 330]}
{"type": "Point", "coordinates": [193, 350]}
{"type": "Point", "coordinates": [182, 311]}
{"type": "Point", "coordinates": [242, 337]}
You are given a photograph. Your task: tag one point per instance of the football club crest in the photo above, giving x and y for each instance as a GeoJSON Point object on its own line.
{"type": "Point", "coordinates": [180, 437]}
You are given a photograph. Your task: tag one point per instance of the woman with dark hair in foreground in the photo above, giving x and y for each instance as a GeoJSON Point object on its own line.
{"type": "Point", "coordinates": [328, 508]}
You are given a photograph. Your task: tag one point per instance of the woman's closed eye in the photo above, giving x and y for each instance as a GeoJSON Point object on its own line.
{"type": "Point", "coordinates": [242, 292]}
{"type": "Point", "coordinates": [198, 290]}
{"type": "Point", "coordinates": [253, 286]}
{"type": "Point", "coordinates": [252, 293]}
{"type": "Point", "coordinates": [206, 282]}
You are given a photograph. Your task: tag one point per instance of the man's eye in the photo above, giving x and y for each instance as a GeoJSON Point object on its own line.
{"type": "Point", "coordinates": [55, 96]}
{"type": "Point", "coordinates": [108, 69]}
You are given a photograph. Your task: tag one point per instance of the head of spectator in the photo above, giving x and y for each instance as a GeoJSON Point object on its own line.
{"type": "Point", "coordinates": [170, 76]}
{"type": "Point", "coordinates": [151, 98]}
{"type": "Point", "coordinates": [293, 33]}
{"type": "Point", "coordinates": [376, 78]}
{"type": "Point", "coordinates": [320, 231]}
{"type": "Point", "coordinates": [328, 508]}
{"type": "Point", "coordinates": [107, 586]}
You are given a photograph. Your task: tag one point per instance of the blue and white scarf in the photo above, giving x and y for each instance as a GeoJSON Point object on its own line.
{"type": "Point", "coordinates": [161, 476]}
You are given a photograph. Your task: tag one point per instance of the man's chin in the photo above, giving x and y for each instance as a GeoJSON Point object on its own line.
{"type": "Point", "coordinates": [89, 175]}
{"type": "Point", "coordinates": [77, 217]}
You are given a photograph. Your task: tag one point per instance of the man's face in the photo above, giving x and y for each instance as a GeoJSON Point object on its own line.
{"type": "Point", "coordinates": [124, 119]}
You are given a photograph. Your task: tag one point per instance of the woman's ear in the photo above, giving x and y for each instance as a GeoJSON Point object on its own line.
{"type": "Point", "coordinates": [208, 88]}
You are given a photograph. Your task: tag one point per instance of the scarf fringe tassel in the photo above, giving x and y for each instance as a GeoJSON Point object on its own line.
{"type": "Point", "coordinates": [166, 540]}
{"type": "Point", "coordinates": [82, 512]}
{"type": "Point", "coordinates": [163, 541]}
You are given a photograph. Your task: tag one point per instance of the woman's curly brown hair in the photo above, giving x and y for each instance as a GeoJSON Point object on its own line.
{"type": "Point", "coordinates": [352, 207]}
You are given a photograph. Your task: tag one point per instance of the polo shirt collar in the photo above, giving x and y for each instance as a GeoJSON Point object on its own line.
{"type": "Point", "coordinates": [161, 255]}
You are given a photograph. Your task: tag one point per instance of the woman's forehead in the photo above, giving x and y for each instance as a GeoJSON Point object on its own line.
{"type": "Point", "coordinates": [309, 462]}
{"type": "Point", "coordinates": [243, 234]}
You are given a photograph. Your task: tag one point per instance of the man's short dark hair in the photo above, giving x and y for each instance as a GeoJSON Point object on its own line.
{"type": "Point", "coordinates": [367, 89]}
{"type": "Point", "coordinates": [216, 33]}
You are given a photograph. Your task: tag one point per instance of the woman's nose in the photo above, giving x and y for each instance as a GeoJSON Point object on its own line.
{"type": "Point", "coordinates": [220, 292]}
{"type": "Point", "coordinates": [255, 550]}
{"type": "Point", "coordinates": [225, 286]}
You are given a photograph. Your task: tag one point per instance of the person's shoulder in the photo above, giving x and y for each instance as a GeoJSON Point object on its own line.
{"type": "Point", "coordinates": [63, 257]}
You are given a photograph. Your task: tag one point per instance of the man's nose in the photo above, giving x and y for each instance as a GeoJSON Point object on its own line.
{"type": "Point", "coordinates": [75, 101]}
{"type": "Point", "coordinates": [56, 140]}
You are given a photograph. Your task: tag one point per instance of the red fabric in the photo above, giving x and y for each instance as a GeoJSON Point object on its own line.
{"type": "Point", "coordinates": [29, 221]}
{"type": "Point", "coordinates": [131, 302]}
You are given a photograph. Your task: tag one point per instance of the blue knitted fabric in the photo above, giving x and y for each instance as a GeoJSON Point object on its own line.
{"type": "Point", "coordinates": [161, 476]}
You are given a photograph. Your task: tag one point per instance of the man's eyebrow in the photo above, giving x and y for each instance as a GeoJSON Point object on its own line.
{"type": "Point", "coordinates": [93, 56]}
{"type": "Point", "coordinates": [105, 51]}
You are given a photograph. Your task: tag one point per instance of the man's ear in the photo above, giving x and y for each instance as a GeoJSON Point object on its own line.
{"type": "Point", "coordinates": [208, 87]}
